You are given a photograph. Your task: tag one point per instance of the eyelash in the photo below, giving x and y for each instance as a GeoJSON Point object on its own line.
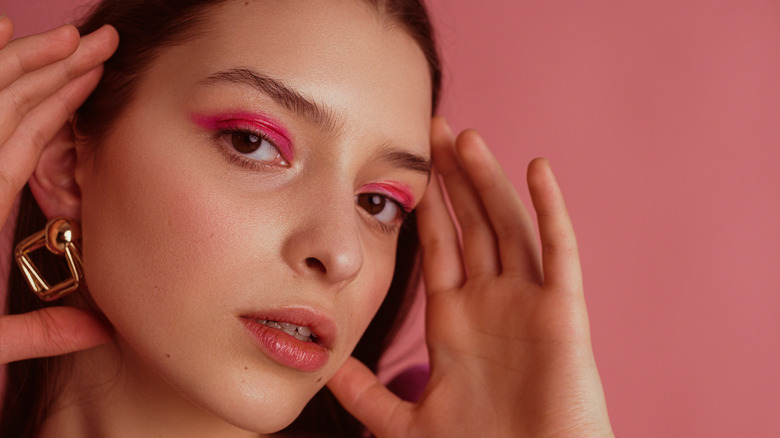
{"type": "Point", "coordinates": [392, 229]}
{"type": "Point", "coordinates": [235, 157]}
{"type": "Point", "coordinates": [386, 228]}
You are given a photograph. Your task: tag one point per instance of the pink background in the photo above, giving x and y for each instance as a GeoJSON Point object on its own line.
{"type": "Point", "coordinates": [662, 121]}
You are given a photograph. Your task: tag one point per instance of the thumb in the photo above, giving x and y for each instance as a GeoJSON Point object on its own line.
{"type": "Point", "coordinates": [49, 332]}
{"type": "Point", "coordinates": [361, 393]}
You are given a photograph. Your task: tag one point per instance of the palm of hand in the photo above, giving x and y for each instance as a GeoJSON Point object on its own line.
{"type": "Point", "coordinates": [517, 372]}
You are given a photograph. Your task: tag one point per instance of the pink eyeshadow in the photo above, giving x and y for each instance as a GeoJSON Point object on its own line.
{"type": "Point", "coordinates": [395, 190]}
{"type": "Point", "coordinates": [251, 122]}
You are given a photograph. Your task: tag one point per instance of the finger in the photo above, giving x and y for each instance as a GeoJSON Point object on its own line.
{"type": "Point", "coordinates": [509, 218]}
{"type": "Point", "coordinates": [21, 151]}
{"type": "Point", "coordinates": [49, 332]}
{"type": "Point", "coordinates": [560, 258]}
{"type": "Point", "coordinates": [442, 262]}
{"type": "Point", "coordinates": [480, 252]}
{"type": "Point", "coordinates": [6, 31]}
{"type": "Point", "coordinates": [18, 98]}
{"type": "Point", "coordinates": [361, 393]}
{"type": "Point", "coordinates": [30, 53]}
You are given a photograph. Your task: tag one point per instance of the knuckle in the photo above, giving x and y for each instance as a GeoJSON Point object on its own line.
{"type": "Point", "coordinates": [68, 70]}
{"type": "Point", "coordinates": [38, 138]}
{"type": "Point", "coordinates": [9, 185]}
{"type": "Point", "coordinates": [488, 181]}
{"type": "Point", "coordinates": [51, 338]}
{"type": "Point", "coordinates": [31, 326]}
{"type": "Point", "coordinates": [439, 246]}
{"type": "Point", "coordinates": [19, 101]}
{"type": "Point", "coordinates": [21, 63]}
{"type": "Point", "coordinates": [471, 219]}
{"type": "Point", "coordinates": [561, 247]}
{"type": "Point", "coordinates": [35, 135]}
{"type": "Point", "coordinates": [513, 230]}
{"type": "Point", "coordinates": [66, 104]}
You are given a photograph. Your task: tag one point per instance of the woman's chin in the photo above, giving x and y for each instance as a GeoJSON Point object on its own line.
{"type": "Point", "coordinates": [218, 390]}
{"type": "Point", "coordinates": [259, 411]}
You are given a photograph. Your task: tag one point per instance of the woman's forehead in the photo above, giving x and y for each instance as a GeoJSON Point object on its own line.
{"type": "Point", "coordinates": [339, 54]}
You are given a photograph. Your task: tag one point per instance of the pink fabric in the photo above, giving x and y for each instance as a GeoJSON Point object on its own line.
{"type": "Point", "coordinates": [410, 383]}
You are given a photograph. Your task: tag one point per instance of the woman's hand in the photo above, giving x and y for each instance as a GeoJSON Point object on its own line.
{"type": "Point", "coordinates": [507, 329]}
{"type": "Point", "coordinates": [43, 80]}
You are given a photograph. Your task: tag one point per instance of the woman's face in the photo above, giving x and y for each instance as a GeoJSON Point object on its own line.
{"type": "Point", "coordinates": [260, 174]}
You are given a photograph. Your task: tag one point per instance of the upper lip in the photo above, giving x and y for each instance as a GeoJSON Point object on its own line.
{"type": "Point", "coordinates": [322, 327]}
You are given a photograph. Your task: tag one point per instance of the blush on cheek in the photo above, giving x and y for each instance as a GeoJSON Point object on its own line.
{"type": "Point", "coordinates": [151, 229]}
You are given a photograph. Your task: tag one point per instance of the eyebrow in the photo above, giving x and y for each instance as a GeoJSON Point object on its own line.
{"type": "Point", "coordinates": [312, 111]}
{"type": "Point", "coordinates": [279, 92]}
{"type": "Point", "coordinates": [407, 160]}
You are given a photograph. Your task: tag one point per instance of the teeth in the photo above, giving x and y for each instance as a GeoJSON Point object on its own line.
{"type": "Point", "coordinates": [301, 333]}
{"type": "Point", "coordinates": [290, 329]}
{"type": "Point", "coordinates": [273, 324]}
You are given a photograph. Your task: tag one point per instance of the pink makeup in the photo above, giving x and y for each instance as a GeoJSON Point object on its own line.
{"type": "Point", "coordinates": [256, 123]}
{"type": "Point", "coordinates": [271, 330]}
{"type": "Point", "coordinates": [394, 190]}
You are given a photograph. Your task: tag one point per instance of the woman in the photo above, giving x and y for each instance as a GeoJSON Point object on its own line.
{"type": "Point", "coordinates": [250, 168]}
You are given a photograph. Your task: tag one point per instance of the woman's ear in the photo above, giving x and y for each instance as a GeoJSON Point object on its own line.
{"type": "Point", "coordinates": [53, 183]}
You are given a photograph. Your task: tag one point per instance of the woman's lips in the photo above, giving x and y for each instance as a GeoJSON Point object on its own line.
{"type": "Point", "coordinates": [286, 349]}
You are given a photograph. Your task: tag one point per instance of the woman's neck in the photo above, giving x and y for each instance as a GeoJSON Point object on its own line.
{"type": "Point", "coordinates": [108, 392]}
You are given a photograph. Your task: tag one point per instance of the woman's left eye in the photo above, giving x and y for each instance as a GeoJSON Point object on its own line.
{"type": "Point", "coordinates": [385, 210]}
{"type": "Point", "coordinates": [254, 146]}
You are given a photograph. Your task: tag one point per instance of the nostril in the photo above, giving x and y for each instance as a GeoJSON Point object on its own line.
{"type": "Point", "coordinates": [314, 263]}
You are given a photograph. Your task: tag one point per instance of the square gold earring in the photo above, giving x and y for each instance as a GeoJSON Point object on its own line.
{"type": "Point", "coordinates": [60, 237]}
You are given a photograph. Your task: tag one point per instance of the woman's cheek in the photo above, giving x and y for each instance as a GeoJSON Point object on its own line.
{"type": "Point", "coordinates": [374, 285]}
{"type": "Point", "coordinates": [156, 237]}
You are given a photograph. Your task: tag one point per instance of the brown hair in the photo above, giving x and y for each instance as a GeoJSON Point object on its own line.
{"type": "Point", "coordinates": [145, 27]}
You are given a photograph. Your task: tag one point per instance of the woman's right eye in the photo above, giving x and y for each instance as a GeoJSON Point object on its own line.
{"type": "Point", "coordinates": [254, 146]}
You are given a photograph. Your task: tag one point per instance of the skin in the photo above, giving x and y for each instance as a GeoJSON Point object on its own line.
{"type": "Point", "coordinates": [520, 350]}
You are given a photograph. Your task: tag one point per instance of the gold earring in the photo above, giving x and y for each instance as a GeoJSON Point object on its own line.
{"type": "Point", "coordinates": [60, 237]}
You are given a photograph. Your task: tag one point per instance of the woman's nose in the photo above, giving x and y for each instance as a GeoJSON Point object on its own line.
{"type": "Point", "coordinates": [325, 242]}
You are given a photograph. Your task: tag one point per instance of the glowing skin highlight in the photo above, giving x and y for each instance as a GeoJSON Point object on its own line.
{"type": "Point", "coordinates": [255, 123]}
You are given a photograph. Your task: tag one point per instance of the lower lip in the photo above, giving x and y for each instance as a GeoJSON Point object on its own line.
{"type": "Point", "coordinates": [286, 349]}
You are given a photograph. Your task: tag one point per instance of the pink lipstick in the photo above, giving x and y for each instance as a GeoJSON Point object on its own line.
{"type": "Point", "coordinates": [295, 337]}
